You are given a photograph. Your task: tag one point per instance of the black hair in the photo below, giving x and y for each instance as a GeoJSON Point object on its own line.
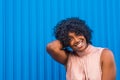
{"type": "Point", "coordinates": [76, 25]}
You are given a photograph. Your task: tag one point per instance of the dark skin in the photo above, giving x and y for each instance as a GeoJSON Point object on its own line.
{"type": "Point", "coordinates": [107, 59]}
{"type": "Point", "coordinates": [55, 50]}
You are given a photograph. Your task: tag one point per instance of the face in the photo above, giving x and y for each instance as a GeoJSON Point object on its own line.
{"type": "Point", "coordinates": [77, 42]}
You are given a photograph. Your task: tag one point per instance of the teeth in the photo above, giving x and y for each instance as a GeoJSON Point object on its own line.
{"type": "Point", "coordinates": [80, 44]}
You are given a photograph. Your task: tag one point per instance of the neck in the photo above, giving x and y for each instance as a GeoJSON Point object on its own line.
{"type": "Point", "coordinates": [86, 50]}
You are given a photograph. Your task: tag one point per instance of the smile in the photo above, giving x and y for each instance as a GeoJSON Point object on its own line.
{"type": "Point", "coordinates": [80, 44]}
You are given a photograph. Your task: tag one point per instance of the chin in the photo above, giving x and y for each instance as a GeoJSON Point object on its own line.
{"type": "Point", "coordinates": [81, 49]}
{"type": "Point", "coordinates": [78, 50]}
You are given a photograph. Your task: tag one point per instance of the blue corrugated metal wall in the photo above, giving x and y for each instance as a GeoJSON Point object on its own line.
{"type": "Point", "coordinates": [26, 27]}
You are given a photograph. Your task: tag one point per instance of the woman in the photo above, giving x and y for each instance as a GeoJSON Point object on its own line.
{"type": "Point", "coordinates": [73, 48]}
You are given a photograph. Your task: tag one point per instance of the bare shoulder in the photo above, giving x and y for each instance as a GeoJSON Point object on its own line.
{"type": "Point", "coordinates": [108, 65]}
{"type": "Point", "coordinates": [107, 55]}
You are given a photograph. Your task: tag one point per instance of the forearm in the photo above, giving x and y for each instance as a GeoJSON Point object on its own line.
{"type": "Point", "coordinates": [55, 50]}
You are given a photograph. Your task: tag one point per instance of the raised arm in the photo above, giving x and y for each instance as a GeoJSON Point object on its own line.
{"type": "Point", "coordinates": [55, 50]}
{"type": "Point", "coordinates": [108, 65]}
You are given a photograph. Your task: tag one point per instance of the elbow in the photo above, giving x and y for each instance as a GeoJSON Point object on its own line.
{"type": "Point", "coordinates": [49, 48]}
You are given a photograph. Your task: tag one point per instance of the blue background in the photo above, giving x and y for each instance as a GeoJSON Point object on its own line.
{"type": "Point", "coordinates": [26, 26]}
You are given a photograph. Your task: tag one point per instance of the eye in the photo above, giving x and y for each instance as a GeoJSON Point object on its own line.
{"type": "Point", "coordinates": [81, 40]}
{"type": "Point", "coordinates": [70, 38]}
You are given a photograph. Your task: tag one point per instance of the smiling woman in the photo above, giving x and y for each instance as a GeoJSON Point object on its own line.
{"type": "Point", "coordinates": [85, 61]}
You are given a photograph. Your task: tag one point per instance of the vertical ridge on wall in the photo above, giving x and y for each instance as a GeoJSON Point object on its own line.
{"type": "Point", "coordinates": [47, 14]}
{"type": "Point", "coordinates": [67, 8]}
{"type": "Point", "coordinates": [41, 54]}
{"type": "Point", "coordinates": [102, 21]}
{"type": "Point", "coordinates": [9, 40]}
{"type": "Point", "coordinates": [73, 8]}
{"type": "Point", "coordinates": [25, 39]}
{"type": "Point", "coordinates": [108, 20]}
{"type": "Point", "coordinates": [1, 40]}
{"type": "Point", "coordinates": [16, 40]}
{"type": "Point", "coordinates": [32, 40]}
{"type": "Point", "coordinates": [38, 39]}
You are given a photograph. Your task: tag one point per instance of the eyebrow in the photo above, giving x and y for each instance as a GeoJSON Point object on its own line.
{"type": "Point", "coordinates": [69, 36]}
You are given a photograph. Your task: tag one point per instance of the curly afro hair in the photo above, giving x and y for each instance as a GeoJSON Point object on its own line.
{"type": "Point", "coordinates": [76, 25]}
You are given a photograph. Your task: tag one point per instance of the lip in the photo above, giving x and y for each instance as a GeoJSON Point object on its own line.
{"type": "Point", "coordinates": [79, 45]}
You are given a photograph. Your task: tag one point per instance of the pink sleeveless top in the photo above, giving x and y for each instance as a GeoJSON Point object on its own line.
{"type": "Point", "coordinates": [86, 66]}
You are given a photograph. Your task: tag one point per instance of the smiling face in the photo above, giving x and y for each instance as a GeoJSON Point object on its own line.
{"type": "Point", "coordinates": [77, 42]}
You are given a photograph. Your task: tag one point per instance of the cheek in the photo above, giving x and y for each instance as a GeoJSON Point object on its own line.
{"type": "Point", "coordinates": [71, 43]}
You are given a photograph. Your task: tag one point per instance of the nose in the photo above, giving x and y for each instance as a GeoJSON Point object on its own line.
{"type": "Point", "coordinates": [76, 40]}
